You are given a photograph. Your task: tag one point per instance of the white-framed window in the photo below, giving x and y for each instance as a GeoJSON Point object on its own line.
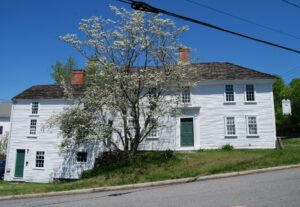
{"type": "Point", "coordinates": [252, 126]}
{"type": "Point", "coordinates": [153, 133]}
{"type": "Point", "coordinates": [32, 128]}
{"type": "Point", "coordinates": [185, 95]}
{"type": "Point", "coordinates": [230, 129]}
{"type": "Point", "coordinates": [40, 159]}
{"type": "Point", "coordinates": [250, 93]}
{"type": "Point", "coordinates": [229, 93]}
{"type": "Point", "coordinates": [130, 125]}
{"type": "Point", "coordinates": [35, 107]}
{"type": "Point", "coordinates": [1, 130]}
{"type": "Point", "coordinates": [152, 92]}
{"type": "Point", "coordinates": [81, 156]}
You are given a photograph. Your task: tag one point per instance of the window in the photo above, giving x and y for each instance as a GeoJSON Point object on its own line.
{"type": "Point", "coordinates": [152, 92]}
{"type": "Point", "coordinates": [108, 140]}
{"type": "Point", "coordinates": [1, 130]}
{"type": "Point", "coordinates": [229, 93]}
{"type": "Point", "coordinates": [252, 125]}
{"type": "Point", "coordinates": [131, 126]}
{"type": "Point", "coordinates": [185, 95]}
{"type": "Point", "coordinates": [32, 130]}
{"type": "Point", "coordinates": [35, 107]}
{"type": "Point", "coordinates": [81, 156]}
{"type": "Point", "coordinates": [230, 126]}
{"type": "Point", "coordinates": [153, 132]}
{"type": "Point", "coordinates": [250, 92]}
{"type": "Point", "coordinates": [40, 159]}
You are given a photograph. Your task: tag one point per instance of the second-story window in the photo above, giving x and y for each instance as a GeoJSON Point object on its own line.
{"type": "Point", "coordinates": [1, 130]}
{"type": "Point", "coordinates": [35, 107]}
{"type": "Point", "coordinates": [152, 92]}
{"type": "Point", "coordinates": [185, 95]}
{"type": "Point", "coordinates": [229, 93]}
{"type": "Point", "coordinates": [32, 130]}
{"type": "Point", "coordinates": [250, 95]}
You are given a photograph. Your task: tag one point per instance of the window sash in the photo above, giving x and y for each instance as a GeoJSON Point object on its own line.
{"type": "Point", "coordinates": [252, 125]}
{"type": "Point", "coordinates": [230, 125]}
{"type": "Point", "coordinates": [229, 93]}
{"type": "Point", "coordinates": [40, 159]}
{"type": "Point", "coordinates": [81, 156]}
{"type": "Point", "coordinates": [250, 93]}
{"type": "Point", "coordinates": [34, 107]}
{"type": "Point", "coordinates": [32, 129]}
{"type": "Point", "coordinates": [185, 95]}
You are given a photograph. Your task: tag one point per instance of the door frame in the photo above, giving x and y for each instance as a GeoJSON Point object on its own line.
{"type": "Point", "coordinates": [194, 133]}
{"type": "Point", "coordinates": [16, 163]}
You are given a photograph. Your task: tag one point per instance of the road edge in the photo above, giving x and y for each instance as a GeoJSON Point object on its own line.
{"type": "Point", "coordinates": [149, 184]}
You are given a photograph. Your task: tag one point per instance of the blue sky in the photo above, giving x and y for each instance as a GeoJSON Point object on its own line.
{"type": "Point", "coordinates": [29, 42]}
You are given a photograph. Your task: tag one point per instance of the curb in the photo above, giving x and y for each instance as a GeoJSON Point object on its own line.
{"type": "Point", "coordinates": [149, 184]}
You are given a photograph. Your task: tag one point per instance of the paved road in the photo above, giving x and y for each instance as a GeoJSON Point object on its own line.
{"type": "Point", "coordinates": [279, 188]}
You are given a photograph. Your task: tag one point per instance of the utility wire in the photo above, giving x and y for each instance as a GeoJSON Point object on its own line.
{"type": "Point", "coordinates": [142, 6]}
{"type": "Point", "coordinates": [243, 19]}
{"type": "Point", "coordinates": [291, 3]}
{"type": "Point", "coordinates": [290, 71]}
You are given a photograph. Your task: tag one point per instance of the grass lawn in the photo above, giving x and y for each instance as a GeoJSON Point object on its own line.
{"type": "Point", "coordinates": [182, 165]}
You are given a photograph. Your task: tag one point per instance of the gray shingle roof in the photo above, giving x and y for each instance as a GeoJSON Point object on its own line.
{"type": "Point", "coordinates": [5, 108]}
{"type": "Point", "coordinates": [48, 92]}
{"type": "Point", "coordinates": [205, 71]}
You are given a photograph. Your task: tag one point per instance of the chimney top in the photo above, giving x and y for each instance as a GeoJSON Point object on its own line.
{"type": "Point", "coordinates": [184, 55]}
{"type": "Point", "coordinates": [78, 77]}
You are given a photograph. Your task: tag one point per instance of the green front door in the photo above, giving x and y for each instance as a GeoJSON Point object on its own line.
{"type": "Point", "coordinates": [186, 132]}
{"type": "Point", "coordinates": [20, 163]}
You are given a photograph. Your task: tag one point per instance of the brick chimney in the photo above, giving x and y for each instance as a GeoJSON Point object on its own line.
{"type": "Point", "coordinates": [78, 77]}
{"type": "Point", "coordinates": [184, 55]}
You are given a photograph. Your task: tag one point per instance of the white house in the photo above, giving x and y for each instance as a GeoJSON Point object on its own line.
{"type": "Point", "coordinates": [232, 105]}
{"type": "Point", "coordinates": [5, 110]}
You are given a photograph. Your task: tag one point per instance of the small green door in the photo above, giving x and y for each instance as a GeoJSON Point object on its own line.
{"type": "Point", "coordinates": [20, 163]}
{"type": "Point", "coordinates": [186, 132]}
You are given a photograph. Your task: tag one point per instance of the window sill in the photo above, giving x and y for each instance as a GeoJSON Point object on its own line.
{"type": "Point", "coordinates": [152, 138]}
{"type": "Point", "coordinates": [230, 136]}
{"type": "Point", "coordinates": [32, 136]}
{"type": "Point", "coordinates": [38, 168]}
{"type": "Point", "coordinates": [253, 136]}
{"type": "Point", "coordinates": [229, 102]}
{"type": "Point", "coordinates": [34, 115]}
{"type": "Point", "coordinates": [250, 102]}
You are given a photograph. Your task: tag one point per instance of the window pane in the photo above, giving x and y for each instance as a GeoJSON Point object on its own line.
{"type": "Point", "coordinates": [39, 159]}
{"type": "Point", "coordinates": [32, 129]}
{"type": "Point", "coordinates": [230, 125]}
{"type": "Point", "coordinates": [229, 92]}
{"type": "Point", "coordinates": [250, 92]}
{"type": "Point", "coordinates": [35, 107]}
{"type": "Point", "coordinates": [81, 156]}
{"type": "Point", "coordinates": [252, 125]}
{"type": "Point", "coordinates": [185, 95]}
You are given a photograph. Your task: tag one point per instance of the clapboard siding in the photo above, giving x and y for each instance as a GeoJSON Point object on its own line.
{"type": "Point", "coordinates": [207, 109]}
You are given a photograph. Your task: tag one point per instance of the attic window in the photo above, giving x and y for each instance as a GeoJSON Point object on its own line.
{"type": "Point", "coordinates": [34, 107]}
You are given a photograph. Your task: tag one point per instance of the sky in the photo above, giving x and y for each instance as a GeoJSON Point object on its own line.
{"type": "Point", "coordinates": [29, 30]}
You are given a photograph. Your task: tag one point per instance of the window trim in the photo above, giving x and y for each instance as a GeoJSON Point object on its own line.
{"type": "Point", "coordinates": [82, 162]}
{"type": "Point", "coordinates": [225, 127]}
{"type": "Point", "coordinates": [254, 92]}
{"type": "Point", "coordinates": [247, 126]}
{"type": "Point", "coordinates": [234, 94]}
{"type": "Point", "coordinates": [36, 154]}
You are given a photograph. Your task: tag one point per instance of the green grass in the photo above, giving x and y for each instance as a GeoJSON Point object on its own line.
{"type": "Point", "coordinates": [182, 165]}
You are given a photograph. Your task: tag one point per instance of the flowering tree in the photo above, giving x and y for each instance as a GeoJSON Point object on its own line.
{"type": "Point", "coordinates": [136, 79]}
{"type": "Point", "coordinates": [3, 144]}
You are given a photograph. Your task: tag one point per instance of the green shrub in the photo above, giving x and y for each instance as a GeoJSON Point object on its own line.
{"type": "Point", "coordinates": [227, 147]}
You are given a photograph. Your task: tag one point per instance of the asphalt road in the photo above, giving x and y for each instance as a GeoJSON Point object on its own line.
{"type": "Point", "coordinates": [278, 188]}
